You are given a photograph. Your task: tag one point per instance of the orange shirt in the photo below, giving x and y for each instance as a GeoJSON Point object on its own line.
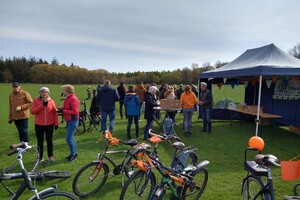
{"type": "Point", "coordinates": [188, 99]}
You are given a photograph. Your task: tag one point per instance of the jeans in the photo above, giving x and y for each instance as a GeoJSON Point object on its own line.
{"type": "Point", "coordinates": [39, 132]}
{"type": "Point", "coordinates": [112, 116]}
{"type": "Point", "coordinates": [71, 128]}
{"type": "Point", "coordinates": [22, 126]}
{"type": "Point", "coordinates": [206, 116]}
{"type": "Point", "coordinates": [147, 128]}
{"type": "Point", "coordinates": [136, 122]}
{"type": "Point", "coordinates": [187, 118]}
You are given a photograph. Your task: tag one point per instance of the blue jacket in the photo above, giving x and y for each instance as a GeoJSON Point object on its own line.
{"type": "Point", "coordinates": [132, 103]}
{"type": "Point", "coordinates": [107, 96]}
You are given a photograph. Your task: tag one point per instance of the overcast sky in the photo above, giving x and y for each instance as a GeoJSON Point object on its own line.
{"type": "Point", "coordinates": [132, 35]}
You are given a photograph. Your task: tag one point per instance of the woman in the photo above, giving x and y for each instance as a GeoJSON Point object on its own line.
{"type": "Point", "coordinates": [150, 103]}
{"type": "Point", "coordinates": [189, 100]}
{"type": "Point", "coordinates": [132, 104]}
{"type": "Point", "coordinates": [170, 94]}
{"type": "Point", "coordinates": [45, 119]}
{"type": "Point", "coordinates": [70, 111]}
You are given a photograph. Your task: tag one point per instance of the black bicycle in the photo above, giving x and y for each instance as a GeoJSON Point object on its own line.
{"type": "Point", "coordinates": [184, 178]}
{"type": "Point", "coordinates": [253, 185]}
{"type": "Point", "coordinates": [49, 193]}
{"type": "Point", "coordinates": [92, 176]}
{"type": "Point", "coordinates": [94, 119]}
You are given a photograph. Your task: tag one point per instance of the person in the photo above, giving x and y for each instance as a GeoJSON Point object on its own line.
{"type": "Point", "coordinates": [122, 91]}
{"type": "Point", "coordinates": [70, 111]}
{"type": "Point", "coordinates": [140, 91]}
{"type": "Point", "coordinates": [179, 91]}
{"type": "Point", "coordinates": [132, 103]}
{"type": "Point", "coordinates": [19, 103]}
{"type": "Point", "coordinates": [88, 92]}
{"type": "Point", "coordinates": [205, 101]}
{"type": "Point", "coordinates": [45, 120]}
{"type": "Point", "coordinates": [150, 103]}
{"type": "Point", "coordinates": [188, 99]}
{"type": "Point", "coordinates": [107, 96]}
{"type": "Point", "coordinates": [169, 94]}
{"type": "Point", "coordinates": [94, 91]}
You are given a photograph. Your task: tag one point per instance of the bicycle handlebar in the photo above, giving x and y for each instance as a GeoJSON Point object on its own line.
{"type": "Point", "coordinates": [18, 147]}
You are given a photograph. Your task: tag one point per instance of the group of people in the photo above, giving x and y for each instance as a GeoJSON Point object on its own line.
{"type": "Point", "coordinates": [46, 118]}
{"type": "Point", "coordinates": [134, 99]}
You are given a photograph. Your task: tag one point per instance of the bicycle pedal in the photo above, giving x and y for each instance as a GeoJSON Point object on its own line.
{"type": "Point", "coordinates": [112, 174]}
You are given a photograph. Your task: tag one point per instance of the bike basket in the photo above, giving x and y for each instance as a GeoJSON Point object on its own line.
{"type": "Point", "coordinates": [290, 170]}
{"type": "Point", "coordinates": [140, 164]}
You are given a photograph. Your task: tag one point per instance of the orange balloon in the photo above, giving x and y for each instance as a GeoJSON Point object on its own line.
{"type": "Point", "coordinates": [256, 142]}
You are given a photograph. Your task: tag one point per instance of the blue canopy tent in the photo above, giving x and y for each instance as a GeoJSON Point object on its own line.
{"type": "Point", "coordinates": [264, 62]}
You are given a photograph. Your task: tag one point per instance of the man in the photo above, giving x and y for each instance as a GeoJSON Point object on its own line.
{"type": "Point", "coordinates": [19, 103]}
{"type": "Point", "coordinates": [122, 92]}
{"type": "Point", "coordinates": [205, 102]}
{"type": "Point", "coordinates": [107, 96]}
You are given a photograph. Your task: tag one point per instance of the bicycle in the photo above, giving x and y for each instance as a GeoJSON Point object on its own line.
{"type": "Point", "coordinates": [181, 178]}
{"type": "Point", "coordinates": [94, 120]}
{"type": "Point", "coordinates": [27, 184]}
{"type": "Point", "coordinates": [253, 186]}
{"type": "Point", "coordinates": [92, 176]}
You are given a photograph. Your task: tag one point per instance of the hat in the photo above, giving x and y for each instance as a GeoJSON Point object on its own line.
{"type": "Point", "coordinates": [44, 89]}
{"type": "Point", "coordinates": [15, 84]}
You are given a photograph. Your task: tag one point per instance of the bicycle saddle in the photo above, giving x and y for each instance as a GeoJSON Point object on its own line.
{"type": "Point", "coordinates": [131, 142]}
{"type": "Point", "coordinates": [178, 145]}
{"type": "Point", "coordinates": [267, 160]}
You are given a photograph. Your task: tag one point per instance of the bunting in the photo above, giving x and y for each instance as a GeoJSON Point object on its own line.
{"type": "Point", "coordinates": [224, 79]}
{"type": "Point", "coordinates": [274, 79]}
{"type": "Point", "coordinates": [232, 84]}
{"type": "Point", "coordinates": [219, 85]}
{"type": "Point", "coordinates": [246, 83]}
{"type": "Point", "coordinates": [268, 82]}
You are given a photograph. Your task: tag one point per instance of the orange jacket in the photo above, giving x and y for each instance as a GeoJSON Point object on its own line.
{"type": "Point", "coordinates": [188, 99]}
{"type": "Point", "coordinates": [44, 115]}
{"type": "Point", "coordinates": [23, 99]}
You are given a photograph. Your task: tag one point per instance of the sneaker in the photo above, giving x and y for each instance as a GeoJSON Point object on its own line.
{"type": "Point", "coordinates": [40, 160]}
{"type": "Point", "coordinates": [204, 130]}
{"type": "Point", "coordinates": [72, 158]}
{"type": "Point", "coordinates": [68, 157]}
{"type": "Point", "coordinates": [51, 158]}
{"type": "Point", "coordinates": [187, 134]}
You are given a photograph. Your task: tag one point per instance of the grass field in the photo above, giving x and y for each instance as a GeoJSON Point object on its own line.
{"type": "Point", "coordinates": [224, 148]}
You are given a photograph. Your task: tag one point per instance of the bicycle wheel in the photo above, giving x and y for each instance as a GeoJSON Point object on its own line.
{"type": "Point", "coordinates": [297, 189]}
{"type": "Point", "coordinates": [158, 193]}
{"type": "Point", "coordinates": [90, 179]}
{"type": "Point", "coordinates": [253, 189]}
{"type": "Point", "coordinates": [97, 122]}
{"type": "Point", "coordinates": [57, 195]}
{"type": "Point", "coordinates": [81, 126]}
{"type": "Point", "coordinates": [192, 159]}
{"type": "Point", "coordinates": [138, 186]}
{"type": "Point", "coordinates": [195, 188]}
{"type": "Point", "coordinates": [56, 174]}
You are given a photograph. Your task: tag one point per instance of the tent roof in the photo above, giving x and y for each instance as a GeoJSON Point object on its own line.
{"type": "Point", "coordinates": [266, 60]}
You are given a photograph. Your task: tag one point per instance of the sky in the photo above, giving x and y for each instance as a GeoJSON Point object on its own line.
{"type": "Point", "coordinates": [139, 35]}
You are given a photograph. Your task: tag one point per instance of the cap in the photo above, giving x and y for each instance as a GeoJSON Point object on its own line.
{"type": "Point", "coordinates": [15, 84]}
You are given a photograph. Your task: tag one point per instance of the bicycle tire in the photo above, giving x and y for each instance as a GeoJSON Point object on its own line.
{"type": "Point", "coordinates": [196, 187]}
{"type": "Point", "coordinates": [57, 195]}
{"type": "Point", "coordinates": [192, 159]}
{"type": "Point", "coordinates": [252, 188]}
{"type": "Point", "coordinates": [97, 122]}
{"type": "Point", "coordinates": [138, 186]}
{"type": "Point", "coordinates": [295, 189]}
{"type": "Point", "coordinates": [154, 196]}
{"type": "Point", "coordinates": [81, 126]}
{"type": "Point", "coordinates": [83, 185]}
{"type": "Point", "coordinates": [56, 174]}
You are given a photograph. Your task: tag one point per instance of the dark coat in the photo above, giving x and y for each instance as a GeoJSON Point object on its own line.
{"type": "Point", "coordinates": [107, 96]}
{"type": "Point", "coordinates": [122, 91]}
{"type": "Point", "coordinates": [132, 103]}
{"type": "Point", "coordinates": [150, 102]}
{"type": "Point", "coordinates": [206, 97]}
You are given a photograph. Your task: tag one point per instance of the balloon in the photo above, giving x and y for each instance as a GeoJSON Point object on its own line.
{"type": "Point", "coordinates": [256, 142]}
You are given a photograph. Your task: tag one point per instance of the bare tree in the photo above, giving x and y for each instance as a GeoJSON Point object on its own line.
{"type": "Point", "coordinates": [295, 51]}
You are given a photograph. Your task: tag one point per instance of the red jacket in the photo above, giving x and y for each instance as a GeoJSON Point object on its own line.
{"type": "Point", "coordinates": [44, 115]}
{"type": "Point", "coordinates": [71, 108]}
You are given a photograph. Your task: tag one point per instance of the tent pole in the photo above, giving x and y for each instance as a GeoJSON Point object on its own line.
{"type": "Point", "coordinates": [258, 105]}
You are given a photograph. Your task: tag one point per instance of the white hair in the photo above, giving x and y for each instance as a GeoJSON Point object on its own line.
{"type": "Point", "coordinates": [204, 84]}
{"type": "Point", "coordinates": [152, 89]}
{"type": "Point", "coordinates": [44, 89]}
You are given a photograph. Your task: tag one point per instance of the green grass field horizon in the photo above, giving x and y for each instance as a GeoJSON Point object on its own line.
{"type": "Point", "coordinates": [224, 148]}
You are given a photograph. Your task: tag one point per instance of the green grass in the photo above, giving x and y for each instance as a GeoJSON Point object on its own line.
{"type": "Point", "coordinates": [224, 148]}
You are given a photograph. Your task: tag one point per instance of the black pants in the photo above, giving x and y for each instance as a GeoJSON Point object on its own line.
{"type": "Point", "coordinates": [39, 131]}
{"type": "Point", "coordinates": [22, 126]}
{"type": "Point", "coordinates": [121, 102]}
{"type": "Point", "coordinates": [136, 122]}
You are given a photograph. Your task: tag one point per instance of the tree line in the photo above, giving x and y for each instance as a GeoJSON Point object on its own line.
{"type": "Point", "coordinates": [38, 70]}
